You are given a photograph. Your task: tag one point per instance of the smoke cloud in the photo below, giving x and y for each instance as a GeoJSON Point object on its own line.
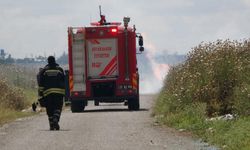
{"type": "Point", "coordinates": [152, 79]}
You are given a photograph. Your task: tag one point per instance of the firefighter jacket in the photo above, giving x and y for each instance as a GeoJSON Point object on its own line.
{"type": "Point", "coordinates": [51, 80]}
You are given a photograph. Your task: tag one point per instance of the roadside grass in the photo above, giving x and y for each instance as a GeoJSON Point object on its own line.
{"type": "Point", "coordinates": [17, 90]}
{"type": "Point", "coordinates": [7, 115]}
{"type": "Point", "coordinates": [30, 95]}
{"type": "Point", "coordinates": [229, 135]}
{"type": "Point", "coordinates": [213, 81]}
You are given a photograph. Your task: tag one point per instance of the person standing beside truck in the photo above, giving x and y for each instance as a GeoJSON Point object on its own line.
{"type": "Point", "coordinates": [52, 86]}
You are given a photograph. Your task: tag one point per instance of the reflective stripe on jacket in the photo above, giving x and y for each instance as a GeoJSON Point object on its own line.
{"type": "Point", "coordinates": [54, 90]}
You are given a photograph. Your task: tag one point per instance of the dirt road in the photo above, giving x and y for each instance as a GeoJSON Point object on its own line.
{"type": "Point", "coordinates": [106, 127]}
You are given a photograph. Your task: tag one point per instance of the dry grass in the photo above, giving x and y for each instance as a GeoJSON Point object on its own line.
{"type": "Point", "coordinates": [7, 115]}
{"type": "Point", "coordinates": [19, 76]}
{"type": "Point", "coordinates": [17, 90]}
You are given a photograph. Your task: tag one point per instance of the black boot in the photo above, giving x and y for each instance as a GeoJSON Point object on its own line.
{"type": "Point", "coordinates": [51, 123]}
{"type": "Point", "coordinates": [55, 124]}
{"type": "Point", "coordinates": [56, 118]}
{"type": "Point", "coordinates": [51, 126]}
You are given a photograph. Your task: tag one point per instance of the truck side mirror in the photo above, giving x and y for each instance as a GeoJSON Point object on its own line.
{"type": "Point", "coordinates": [140, 40]}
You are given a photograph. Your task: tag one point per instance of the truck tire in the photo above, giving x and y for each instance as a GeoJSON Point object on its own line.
{"type": "Point", "coordinates": [134, 104]}
{"type": "Point", "coordinates": [77, 106]}
{"type": "Point", "coordinates": [96, 102]}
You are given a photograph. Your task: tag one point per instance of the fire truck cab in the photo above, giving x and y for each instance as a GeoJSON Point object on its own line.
{"type": "Point", "coordinates": [103, 64]}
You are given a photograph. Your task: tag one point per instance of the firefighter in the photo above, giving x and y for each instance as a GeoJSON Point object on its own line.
{"type": "Point", "coordinates": [52, 88]}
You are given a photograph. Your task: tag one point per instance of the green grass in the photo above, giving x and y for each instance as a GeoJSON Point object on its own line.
{"type": "Point", "coordinates": [30, 96]}
{"type": "Point", "coordinates": [213, 81]}
{"type": "Point", "coordinates": [231, 134]}
{"type": "Point", "coordinates": [7, 115]}
{"type": "Point", "coordinates": [10, 114]}
{"type": "Point", "coordinates": [228, 135]}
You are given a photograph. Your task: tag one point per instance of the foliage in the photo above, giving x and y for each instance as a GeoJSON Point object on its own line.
{"type": "Point", "coordinates": [17, 90]}
{"type": "Point", "coordinates": [214, 80]}
{"type": "Point", "coordinates": [12, 98]}
{"type": "Point", "coordinates": [216, 73]}
{"type": "Point", "coordinates": [230, 135]}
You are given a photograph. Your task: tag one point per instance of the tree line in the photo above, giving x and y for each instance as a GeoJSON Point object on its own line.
{"type": "Point", "coordinates": [6, 58]}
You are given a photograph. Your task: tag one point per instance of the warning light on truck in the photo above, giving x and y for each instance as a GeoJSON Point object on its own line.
{"type": "Point", "coordinates": [114, 30]}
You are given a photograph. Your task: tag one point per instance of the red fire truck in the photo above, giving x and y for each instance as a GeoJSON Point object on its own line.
{"type": "Point", "coordinates": [103, 64]}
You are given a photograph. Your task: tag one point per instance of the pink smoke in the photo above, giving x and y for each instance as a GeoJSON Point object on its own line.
{"type": "Point", "coordinates": [160, 70]}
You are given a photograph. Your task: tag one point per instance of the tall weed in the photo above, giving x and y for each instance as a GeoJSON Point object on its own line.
{"type": "Point", "coordinates": [214, 73]}
{"type": "Point", "coordinates": [214, 80]}
{"type": "Point", "coordinates": [18, 75]}
{"type": "Point", "coordinates": [13, 81]}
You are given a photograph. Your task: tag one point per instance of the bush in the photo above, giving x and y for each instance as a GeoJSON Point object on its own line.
{"type": "Point", "coordinates": [214, 80]}
{"type": "Point", "coordinates": [11, 98]}
{"type": "Point", "coordinates": [217, 74]}
{"type": "Point", "coordinates": [242, 99]}
{"type": "Point", "coordinates": [13, 81]}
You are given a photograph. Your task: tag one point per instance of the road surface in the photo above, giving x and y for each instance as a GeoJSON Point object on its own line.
{"type": "Point", "coordinates": [104, 127]}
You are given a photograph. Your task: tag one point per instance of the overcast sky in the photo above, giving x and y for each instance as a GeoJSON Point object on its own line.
{"type": "Point", "coordinates": [39, 27]}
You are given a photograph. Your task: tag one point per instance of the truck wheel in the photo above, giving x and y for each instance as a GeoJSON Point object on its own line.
{"type": "Point", "coordinates": [96, 102]}
{"type": "Point", "coordinates": [77, 106]}
{"type": "Point", "coordinates": [134, 104]}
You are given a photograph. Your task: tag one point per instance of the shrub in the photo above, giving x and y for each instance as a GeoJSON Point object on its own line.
{"type": "Point", "coordinates": [216, 73]}
{"type": "Point", "coordinates": [242, 99]}
{"type": "Point", "coordinates": [12, 98]}
{"type": "Point", "coordinates": [13, 81]}
{"type": "Point", "coordinates": [214, 80]}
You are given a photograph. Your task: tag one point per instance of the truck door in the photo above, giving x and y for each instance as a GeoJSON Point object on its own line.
{"type": "Point", "coordinates": [78, 61]}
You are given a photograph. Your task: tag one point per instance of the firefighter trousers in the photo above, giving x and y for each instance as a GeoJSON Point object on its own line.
{"type": "Point", "coordinates": [54, 103]}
